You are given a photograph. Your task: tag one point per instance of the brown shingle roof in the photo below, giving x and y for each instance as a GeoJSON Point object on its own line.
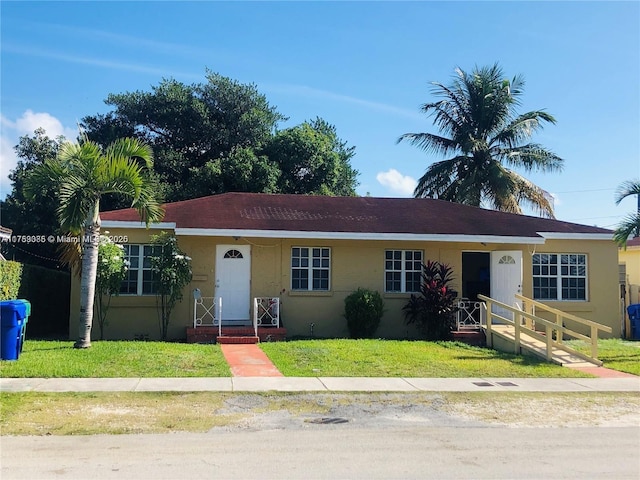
{"type": "Point", "coordinates": [307, 213]}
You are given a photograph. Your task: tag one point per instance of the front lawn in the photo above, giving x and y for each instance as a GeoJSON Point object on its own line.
{"type": "Point", "coordinates": [615, 353]}
{"type": "Point", "coordinates": [107, 359]}
{"type": "Point", "coordinates": [391, 358]}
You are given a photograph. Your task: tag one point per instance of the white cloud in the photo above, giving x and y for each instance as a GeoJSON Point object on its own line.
{"type": "Point", "coordinates": [11, 131]}
{"type": "Point", "coordinates": [396, 182]}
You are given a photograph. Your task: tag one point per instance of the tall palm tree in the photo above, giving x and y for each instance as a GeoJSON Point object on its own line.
{"type": "Point", "coordinates": [630, 224]}
{"type": "Point", "coordinates": [483, 134]}
{"type": "Point", "coordinates": [83, 173]}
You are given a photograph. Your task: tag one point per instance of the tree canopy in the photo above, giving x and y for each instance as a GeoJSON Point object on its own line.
{"type": "Point", "coordinates": [484, 138]}
{"type": "Point", "coordinates": [32, 216]}
{"type": "Point", "coordinates": [221, 136]}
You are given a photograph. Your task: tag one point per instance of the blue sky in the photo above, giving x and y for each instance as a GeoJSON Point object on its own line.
{"type": "Point", "coordinates": [365, 67]}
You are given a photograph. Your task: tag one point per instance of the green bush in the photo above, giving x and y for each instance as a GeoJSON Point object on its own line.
{"type": "Point", "coordinates": [363, 311]}
{"type": "Point", "coordinates": [10, 277]}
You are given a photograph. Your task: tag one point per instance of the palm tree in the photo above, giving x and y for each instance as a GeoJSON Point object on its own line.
{"type": "Point", "coordinates": [630, 225]}
{"type": "Point", "coordinates": [481, 130]}
{"type": "Point", "coordinates": [83, 173]}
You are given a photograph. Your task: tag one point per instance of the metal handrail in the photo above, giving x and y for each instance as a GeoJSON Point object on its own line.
{"type": "Point", "coordinates": [466, 314]}
{"type": "Point", "coordinates": [266, 311]}
{"type": "Point", "coordinates": [207, 311]}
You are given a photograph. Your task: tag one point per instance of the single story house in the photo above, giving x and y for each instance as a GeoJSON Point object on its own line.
{"type": "Point", "coordinates": [310, 252]}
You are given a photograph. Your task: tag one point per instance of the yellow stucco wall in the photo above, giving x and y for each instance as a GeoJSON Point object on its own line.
{"type": "Point", "coordinates": [631, 259]}
{"type": "Point", "coordinates": [354, 264]}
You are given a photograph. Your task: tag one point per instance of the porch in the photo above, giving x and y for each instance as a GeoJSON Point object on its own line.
{"type": "Point", "coordinates": [209, 325]}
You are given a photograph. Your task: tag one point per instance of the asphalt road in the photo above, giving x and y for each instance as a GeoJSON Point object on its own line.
{"type": "Point", "coordinates": [333, 451]}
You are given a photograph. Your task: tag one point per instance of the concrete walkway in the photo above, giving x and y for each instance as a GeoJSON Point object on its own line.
{"type": "Point", "coordinates": [320, 384]}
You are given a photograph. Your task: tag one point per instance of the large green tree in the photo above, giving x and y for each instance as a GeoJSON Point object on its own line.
{"type": "Point", "coordinates": [27, 216]}
{"type": "Point", "coordinates": [189, 126]}
{"type": "Point", "coordinates": [221, 136]}
{"type": "Point", "coordinates": [630, 225]}
{"type": "Point", "coordinates": [82, 173]}
{"type": "Point", "coordinates": [312, 160]}
{"type": "Point", "coordinates": [484, 139]}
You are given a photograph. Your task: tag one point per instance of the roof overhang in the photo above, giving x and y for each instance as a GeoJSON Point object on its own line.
{"type": "Point", "coordinates": [540, 238]}
{"type": "Point", "coordinates": [131, 224]}
{"type": "Point", "coordinates": [575, 236]}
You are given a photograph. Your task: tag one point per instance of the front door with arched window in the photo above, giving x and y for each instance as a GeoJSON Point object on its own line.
{"type": "Point", "coordinates": [506, 279]}
{"type": "Point", "coordinates": [233, 283]}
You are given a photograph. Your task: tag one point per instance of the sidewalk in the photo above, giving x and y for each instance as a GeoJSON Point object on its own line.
{"type": "Point", "coordinates": [320, 384]}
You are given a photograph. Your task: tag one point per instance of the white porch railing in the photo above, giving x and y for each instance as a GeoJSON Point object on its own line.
{"type": "Point", "coordinates": [207, 311]}
{"type": "Point", "coordinates": [266, 312]}
{"type": "Point", "coordinates": [471, 314]}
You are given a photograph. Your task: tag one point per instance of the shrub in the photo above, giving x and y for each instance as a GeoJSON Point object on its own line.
{"type": "Point", "coordinates": [363, 311]}
{"type": "Point", "coordinates": [112, 269]}
{"type": "Point", "coordinates": [10, 276]}
{"type": "Point", "coordinates": [172, 272]}
{"type": "Point", "coordinates": [434, 310]}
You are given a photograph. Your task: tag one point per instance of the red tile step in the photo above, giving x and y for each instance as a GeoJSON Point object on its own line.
{"type": "Point", "coordinates": [233, 339]}
{"type": "Point", "coordinates": [210, 334]}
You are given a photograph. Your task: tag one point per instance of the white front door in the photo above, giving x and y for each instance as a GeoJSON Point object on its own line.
{"type": "Point", "coordinates": [506, 279]}
{"type": "Point", "coordinates": [233, 283]}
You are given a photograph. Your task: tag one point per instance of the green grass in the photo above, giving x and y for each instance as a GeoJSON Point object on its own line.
{"type": "Point", "coordinates": [622, 355]}
{"type": "Point", "coordinates": [390, 358]}
{"type": "Point", "coordinates": [301, 358]}
{"type": "Point", "coordinates": [109, 359]}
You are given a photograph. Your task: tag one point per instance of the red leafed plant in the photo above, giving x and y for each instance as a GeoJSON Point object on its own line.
{"type": "Point", "coordinates": [434, 309]}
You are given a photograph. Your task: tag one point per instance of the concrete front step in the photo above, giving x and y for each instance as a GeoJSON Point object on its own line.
{"type": "Point", "coordinates": [476, 338]}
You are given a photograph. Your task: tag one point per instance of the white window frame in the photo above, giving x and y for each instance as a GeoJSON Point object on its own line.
{"type": "Point", "coordinates": [560, 270]}
{"type": "Point", "coordinates": [313, 264]}
{"type": "Point", "coordinates": [403, 270]}
{"type": "Point", "coordinates": [141, 268]}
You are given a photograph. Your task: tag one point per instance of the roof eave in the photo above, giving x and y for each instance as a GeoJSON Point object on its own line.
{"type": "Point", "coordinates": [316, 235]}
{"type": "Point", "coordinates": [575, 236]}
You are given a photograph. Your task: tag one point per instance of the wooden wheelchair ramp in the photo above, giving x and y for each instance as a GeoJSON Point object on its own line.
{"type": "Point", "coordinates": [504, 339]}
{"type": "Point", "coordinates": [521, 330]}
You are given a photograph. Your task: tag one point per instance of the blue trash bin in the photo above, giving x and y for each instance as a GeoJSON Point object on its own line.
{"type": "Point", "coordinates": [634, 320]}
{"type": "Point", "coordinates": [14, 315]}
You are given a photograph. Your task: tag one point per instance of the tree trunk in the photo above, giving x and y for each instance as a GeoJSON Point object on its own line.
{"type": "Point", "coordinates": [88, 277]}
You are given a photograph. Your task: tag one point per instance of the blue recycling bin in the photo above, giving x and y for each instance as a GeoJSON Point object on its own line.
{"type": "Point", "coordinates": [14, 315]}
{"type": "Point", "coordinates": [634, 320]}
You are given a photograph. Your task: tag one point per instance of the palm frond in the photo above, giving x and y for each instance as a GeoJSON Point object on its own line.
{"type": "Point", "coordinates": [626, 189]}
{"type": "Point", "coordinates": [522, 128]}
{"type": "Point", "coordinates": [629, 227]}
{"type": "Point", "coordinates": [430, 142]}
{"type": "Point", "coordinates": [76, 203]}
{"type": "Point", "coordinates": [130, 148]}
{"type": "Point", "coordinates": [148, 204]}
{"type": "Point", "coordinates": [531, 157]}
{"type": "Point", "coordinates": [533, 196]}
{"type": "Point", "coordinates": [436, 180]}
